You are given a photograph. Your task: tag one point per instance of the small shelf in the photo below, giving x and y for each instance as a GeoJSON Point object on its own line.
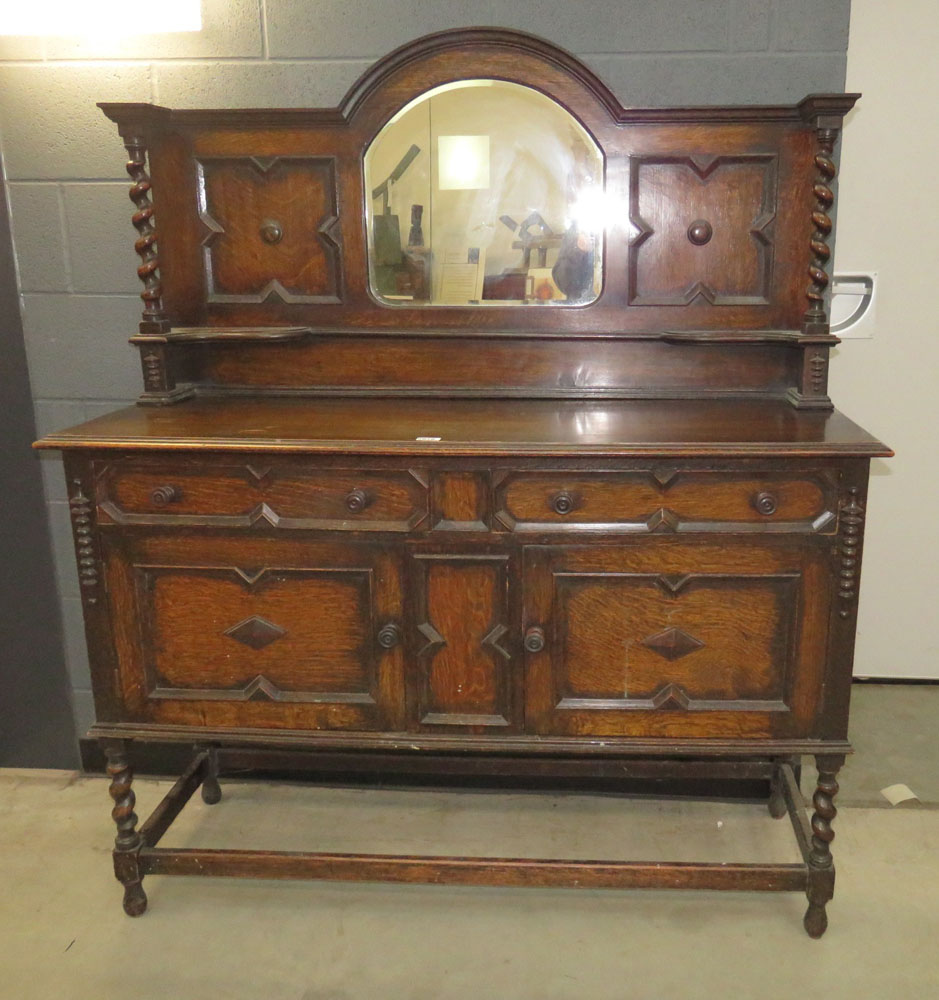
{"type": "Point", "coordinates": [220, 334]}
{"type": "Point", "coordinates": [259, 334]}
{"type": "Point", "coordinates": [793, 337]}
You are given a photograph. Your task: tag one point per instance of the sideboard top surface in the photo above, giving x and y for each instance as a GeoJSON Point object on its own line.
{"type": "Point", "coordinates": [477, 427]}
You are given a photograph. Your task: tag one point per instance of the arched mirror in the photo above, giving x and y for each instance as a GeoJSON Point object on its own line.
{"type": "Point", "coordinates": [484, 193]}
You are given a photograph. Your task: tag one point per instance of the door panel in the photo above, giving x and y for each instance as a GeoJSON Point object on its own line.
{"type": "Point", "coordinates": [269, 635]}
{"type": "Point", "coordinates": [270, 229]}
{"type": "Point", "coordinates": [465, 650]}
{"type": "Point", "coordinates": [675, 640]}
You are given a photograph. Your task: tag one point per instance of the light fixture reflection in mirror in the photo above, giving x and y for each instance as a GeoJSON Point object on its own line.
{"type": "Point", "coordinates": [463, 162]}
{"type": "Point", "coordinates": [590, 210]}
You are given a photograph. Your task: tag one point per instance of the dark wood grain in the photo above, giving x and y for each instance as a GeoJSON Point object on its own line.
{"type": "Point", "coordinates": [260, 634]}
{"type": "Point", "coordinates": [270, 228]}
{"type": "Point", "coordinates": [238, 495]}
{"type": "Point", "coordinates": [160, 820]}
{"type": "Point", "coordinates": [575, 746]}
{"type": "Point", "coordinates": [821, 882]}
{"type": "Point", "coordinates": [465, 640]}
{"type": "Point", "coordinates": [128, 840]}
{"type": "Point", "coordinates": [429, 763]}
{"type": "Point", "coordinates": [656, 428]}
{"type": "Point", "coordinates": [519, 872]}
{"type": "Point", "coordinates": [740, 666]}
{"type": "Point", "coordinates": [526, 501]}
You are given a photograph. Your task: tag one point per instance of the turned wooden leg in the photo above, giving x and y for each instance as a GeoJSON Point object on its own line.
{"type": "Point", "coordinates": [777, 800]}
{"type": "Point", "coordinates": [821, 884]}
{"type": "Point", "coordinates": [127, 841]}
{"type": "Point", "coordinates": [211, 792]}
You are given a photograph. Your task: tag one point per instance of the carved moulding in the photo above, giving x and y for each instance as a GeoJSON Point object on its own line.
{"type": "Point", "coordinates": [159, 383]}
{"type": "Point", "coordinates": [81, 509]}
{"type": "Point", "coordinates": [154, 319]}
{"type": "Point", "coordinates": [712, 177]}
{"type": "Point", "coordinates": [296, 257]}
{"type": "Point", "coordinates": [852, 526]}
{"type": "Point", "coordinates": [811, 392]}
{"type": "Point", "coordinates": [815, 319]}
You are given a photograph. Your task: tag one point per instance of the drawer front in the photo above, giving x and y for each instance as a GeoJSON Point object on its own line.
{"type": "Point", "coordinates": [680, 501]}
{"type": "Point", "coordinates": [259, 634]}
{"type": "Point", "coordinates": [245, 495]}
{"type": "Point", "coordinates": [679, 640]}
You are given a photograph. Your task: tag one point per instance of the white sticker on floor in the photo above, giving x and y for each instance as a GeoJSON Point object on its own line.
{"type": "Point", "coordinates": [895, 794]}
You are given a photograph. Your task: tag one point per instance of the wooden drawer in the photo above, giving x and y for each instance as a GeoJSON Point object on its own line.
{"type": "Point", "coordinates": [677, 501]}
{"type": "Point", "coordinates": [244, 495]}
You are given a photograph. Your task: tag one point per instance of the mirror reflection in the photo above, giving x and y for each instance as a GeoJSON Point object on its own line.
{"type": "Point", "coordinates": [484, 192]}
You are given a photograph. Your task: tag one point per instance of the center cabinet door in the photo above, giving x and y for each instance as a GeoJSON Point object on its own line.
{"type": "Point", "coordinates": [253, 632]}
{"type": "Point", "coordinates": [676, 640]}
{"type": "Point", "coordinates": [466, 672]}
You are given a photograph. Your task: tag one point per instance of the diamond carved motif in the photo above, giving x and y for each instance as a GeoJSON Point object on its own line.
{"type": "Point", "coordinates": [672, 643]}
{"type": "Point", "coordinates": [255, 632]}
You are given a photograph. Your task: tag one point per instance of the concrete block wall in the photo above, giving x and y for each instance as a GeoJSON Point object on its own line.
{"type": "Point", "coordinates": [65, 165]}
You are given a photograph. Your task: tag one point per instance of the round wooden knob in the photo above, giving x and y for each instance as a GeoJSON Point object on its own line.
{"type": "Point", "coordinates": [699, 232]}
{"type": "Point", "coordinates": [357, 500]}
{"type": "Point", "coordinates": [163, 495]}
{"type": "Point", "coordinates": [562, 503]}
{"type": "Point", "coordinates": [534, 639]}
{"type": "Point", "coordinates": [389, 636]}
{"type": "Point", "coordinates": [271, 232]}
{"type": "Point", "coordinates": [765, 503]}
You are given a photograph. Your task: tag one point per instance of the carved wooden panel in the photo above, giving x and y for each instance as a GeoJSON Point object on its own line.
{"type": "Point", "coordinates": [214, 632]}
{"type": "Point", "coordinates": [670, 640]}
{"type": "Point", "coordinates": [702, 229]}
{"type": "Point", "coordinates": [465, 645]}
{"type": "Point", "coordinates": [271, 229]}
{"type": "Point", "coordinates": [718, 638]}
{"type": "Point", "coordinates": [460, 501]}
{"type": "Point", "coordinates": [258, 494]}
{"type": "Point", "coordinates": [665, 499]}
{"type": "Point", "coordinates": [279, 639]}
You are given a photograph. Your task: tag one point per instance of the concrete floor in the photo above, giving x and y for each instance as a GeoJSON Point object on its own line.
{"type": "Point", "coordinates": [63, 933]}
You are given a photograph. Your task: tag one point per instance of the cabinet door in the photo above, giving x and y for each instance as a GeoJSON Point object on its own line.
{"type": "Point", "coordinates": [466, 674]}
{"type": "Point", "coordinates": [235, 632]}
{"type": "Point", "coordinates": [675, 640]}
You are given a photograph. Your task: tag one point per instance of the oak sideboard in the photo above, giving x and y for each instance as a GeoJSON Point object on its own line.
{"type": "Point", "coordinates": [484, 425]}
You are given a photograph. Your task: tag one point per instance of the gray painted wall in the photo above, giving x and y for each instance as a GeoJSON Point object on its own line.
{"type": "Point", "coordinates": [37, 727]}
{"type": "Point", "coordinates": [68, 191]}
